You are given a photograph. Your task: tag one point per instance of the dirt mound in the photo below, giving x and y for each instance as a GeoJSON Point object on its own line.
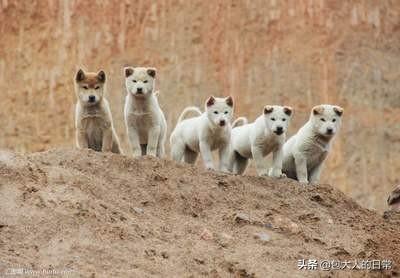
{"type": "Point", "coordinates": [105, 215]}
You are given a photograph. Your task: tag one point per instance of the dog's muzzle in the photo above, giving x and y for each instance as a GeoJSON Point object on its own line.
{"type": "Point", "coordinates": [92, 99]}
{"type": "Point", "coordinates": [139, 91]}
{"type": "Point", "coordinates": [279, 130]}
{"type": "Point", "coordinates": [222, 123]}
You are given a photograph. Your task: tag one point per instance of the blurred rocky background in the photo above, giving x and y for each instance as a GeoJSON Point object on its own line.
{"type": "Point", "coordinates": [294, 52]}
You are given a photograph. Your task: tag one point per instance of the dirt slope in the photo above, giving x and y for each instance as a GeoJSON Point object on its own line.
{"type": "Point", "coordinates": [105, 215]}
{"type": "Point", "coordinates": [293, 52]}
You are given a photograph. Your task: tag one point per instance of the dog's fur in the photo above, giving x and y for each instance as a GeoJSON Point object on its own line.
{"type": "Point", "coordinates": [93, 120]}
{"type": "Point", "coordinates": [144, 120]}
{"type": "Point", "coordinates": [256, 140]}
{"type": "Point", "coordinates": [305, 152]}
{"type": "Point", "coordinates": [205, 133]}
{"type": "Point", "coordinates": [239, 122]}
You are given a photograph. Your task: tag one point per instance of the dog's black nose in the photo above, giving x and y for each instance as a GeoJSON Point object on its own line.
{"type": "Point", "coordinates": [139, 90]}
{"type": "Point", "coordinates": [92, 98]}
{"type": "Point", "coordinates": [329, 130]}
{"type": "Point", "coordinates": [222, 122]}
{"type": "Point", "coordinates": [279, 130]}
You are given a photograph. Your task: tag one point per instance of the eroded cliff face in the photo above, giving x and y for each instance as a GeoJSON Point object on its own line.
{"type": "Point", "coordinates": [294, 52]}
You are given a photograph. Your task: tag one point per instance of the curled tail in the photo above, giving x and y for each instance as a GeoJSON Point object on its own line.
{"type": "Point", "coordinates": [187, 110]}
{"type": "Point", "coordinates": [239, 122]}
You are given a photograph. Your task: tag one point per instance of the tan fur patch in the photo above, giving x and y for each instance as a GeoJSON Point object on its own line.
{"type": "Point", "coordinates": [210, 101]}
{"type": "Point", "coordinates": [128, 71]}
{"type": "Point", "coordinates": [338, 110]}
{"type": "Point", "coordinates": [288, 110]}
{"type": "Point", "coordinates": [317, 110]}
{"type": "Point", "coordinates": [151, 72]}
{"type": "Point", "coordinates": [268, 109]}
{"type": "Point", "coordinates": [229, 101]}
{"type": "Point", "coordinates": [91, 79]}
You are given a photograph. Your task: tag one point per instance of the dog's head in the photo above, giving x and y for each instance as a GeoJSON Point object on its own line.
{"type": "Point", "coordinates": [277, 118]}
{"type": "Point", "coordinates": [326, 119]}
{"type": "Point", "coordinates": [89, 86]}
{"type": "Point", "coordinates": [139, 81]}
{"type": "Point", "coordinates": [219, 110]}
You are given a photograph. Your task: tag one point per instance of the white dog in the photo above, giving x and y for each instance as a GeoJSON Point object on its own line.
{"type": "Point", "coordinates": [93, 120]}
{"type": "Point", "coordinates": [256, 140]}
{"type": "Point", "coordinates": [208, 131]}
{"type": "Point", "coordinates": [305, 152]}
{"type": "Point", "coordinates": [145, 122]}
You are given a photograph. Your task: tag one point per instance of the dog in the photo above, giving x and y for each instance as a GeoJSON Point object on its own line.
{"type": "Point", "coordinates": [256, 140]}
{"type": "Point", "coordinates": [93, 120]}
{"type": "Point", "coordinates": [305, 152]}
{"type": "Point", "coordinates": [393, 200]}
{"type": "Point", "coordinates": [204, 133]}
{"type": "Point", "coordinates": [144, 120]}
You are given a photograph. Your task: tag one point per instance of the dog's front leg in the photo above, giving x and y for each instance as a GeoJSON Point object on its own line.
{"type": "Point", "coordinates": [259, 160]}
{"type": "Point", "coordinates": [107, 140]}
{"type": "Point", "coordinates": [134, 141]}
{"type": "Point", "coordinates": [152, 141]}
{"type": "Point", "coordinates": [300, 161]}
{"type": "Point", "coordinates": [224, 158]}
{"type": "Point", "coordinates": [315, 174]}
{"type": "Point", "coordinates": [205, 151]}
{"type": "Point", "coordinates": [276, 170]}
{"type": "Point", "coordinates": [81, 139]}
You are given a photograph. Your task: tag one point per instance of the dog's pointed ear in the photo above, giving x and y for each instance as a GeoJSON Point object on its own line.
{"type": "Point", "coordinates": [288, 110]}
{"type": "Point", "coordinates": [128, 71]}
{"type": "Point", "coordinates": [268, 109]}
{"type": "Point", "coordinates": [318, 110]}
{"type": "Point", "coordinates": [80, 75]}
{"type": "Point", "coordinates": [229, 101]}
{"type": "Point", "coordinates": [210, 101]}
{"type": "Point", "coordinates": [101, 76]}
{"type": "Point", "coordinates": [151, 72]}
{"type": "Point", "coordinates": [338, 110]}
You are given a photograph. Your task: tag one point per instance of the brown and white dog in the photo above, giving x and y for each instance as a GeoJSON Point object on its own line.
{"type": "Point", "coordinates": [393, 200]}
{"type": "Point", "coordinates": [93, 120]}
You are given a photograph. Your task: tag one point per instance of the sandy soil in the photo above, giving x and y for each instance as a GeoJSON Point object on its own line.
{"type": "Point", "coordinates": [105, 215]}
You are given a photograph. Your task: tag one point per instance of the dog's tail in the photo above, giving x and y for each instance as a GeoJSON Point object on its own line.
{"type": "Point", "coordinates": [187, 110]}
{"type": "Point", "coordinates": [239, 122]}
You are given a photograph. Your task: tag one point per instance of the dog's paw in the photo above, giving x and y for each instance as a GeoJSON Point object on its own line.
{"type": "Point", "coordinates": [282, 176]}
{"type": "Point", "coordinates": [303, 182]}
{"type": "Point", "coordinates": [277, 174]}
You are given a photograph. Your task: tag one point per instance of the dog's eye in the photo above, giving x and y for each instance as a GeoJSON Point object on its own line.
{"type": "Point", "coordinates": [215, 112]}
{"type": "Point", "coordinates": [226, 112]}
{"type": "Point", "coordinates": [85, 87]}
{"type": "Point", "coordinates": [322, 119]}
{"type": "Point", "coordinates": [97, 87]}
{"type": "Point", "coordinates": [134, 81]}
{"type": "Point", "coordinates": [334, 120]}
{"type": "Point", "coordinates": [283, 119]}
{"type": "Point", "coordinates": [145, 81]}
{"type": "Point", "coordinates": [273, 119]}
